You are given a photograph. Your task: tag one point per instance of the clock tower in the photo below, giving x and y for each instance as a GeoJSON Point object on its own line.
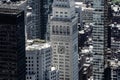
{"type": "Point", "coordinates": [64, 39]}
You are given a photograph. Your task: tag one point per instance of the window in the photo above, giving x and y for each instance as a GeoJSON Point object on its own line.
{"type": "Point", "coordinates": [60, 29]}
{"type": "Point", "coordinates": [66, 16]}
{"type": "Point", "coordinates": [57, 29]}
{"type": "Point", "coordinates": [53, 29]}
{"type": "Point", "coordinates": [37, 61]}
{"type": "Point", "coordinates": [61, 16]}
{"type": "Point", "coordinates": [55, 58]}
{"type": "Point", "coordinates": [61, 12]}
{"type": "Point", "coordinates": [61, 62]}
{"type": "Point", "coordinates": [55, 62]}
{"type": "Point", "coordinates": [65, 12]}
{"type": "Point", "coordinates": [37, 57]}
{"type": "Point", "coordinates": [64, 30]}
{"type": "Point", "coordinates": [68, 30]}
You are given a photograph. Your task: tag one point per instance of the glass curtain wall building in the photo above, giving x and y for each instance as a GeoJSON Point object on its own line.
{"type": "Point", "coordinates": [12, 44]}
{"type": "Point", "coordinates": [100, 37]}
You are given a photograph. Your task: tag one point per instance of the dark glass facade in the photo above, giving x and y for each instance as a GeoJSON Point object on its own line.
{"type": "Point", "coordinates": [12, 45]}
{"type": "Point", "coordinates": [40, 11]}
{"type": "Point", "coordinates": [45, 9]}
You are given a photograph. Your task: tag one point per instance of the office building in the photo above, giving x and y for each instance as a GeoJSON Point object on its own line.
{"type": "Point", "coordinates": [100, 34]}
{"type": "Point", "coordinates": [38, 57]}
{"type": "Point", "coordinates": [115, 69]}
{"type": "Point", "coordinates": [115, 10]}
{"type": "Point", "coordinates": [115, 45]}
{"type": "Point", "coordinates": [85, 68]}
{"type": "Point", "coordinates": [31, 76]}
{"type": "Point", "coordinates": [64, 39]}
{"type": "Point", "coordinates": [115, 37]}
{"type": "Point", "coordinates": [15, 4]}
{"type": "Point", "coordinates": [112, 72]}
{"type": "Point", "coordinates": [53, 74]}
{"type": "Point", "coordinates": [12, 44]}
{"type": "Point", "coordinates": [40, 11]}
{"type": "Point", "coordinates": [85, 14]}
{"type": "Point", "coordinates": [30, 25]}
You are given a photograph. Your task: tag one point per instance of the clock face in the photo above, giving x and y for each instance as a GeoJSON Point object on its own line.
{"type": "Point", "coordinates": [61, 49]}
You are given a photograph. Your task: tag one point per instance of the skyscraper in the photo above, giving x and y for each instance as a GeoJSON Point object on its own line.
{"type": "Point", "coordinates": [100, 33]}
{"type": "Point", "coordinates": [12, 44]}
{"type": "Point", "coordinates": [15, 4]}
{"type": "Point", "coordinates": [64, 39]}
{"type": "Point", "coordinates": [38, 57]}
{"type": "Point", "coordinates": [40, 10]}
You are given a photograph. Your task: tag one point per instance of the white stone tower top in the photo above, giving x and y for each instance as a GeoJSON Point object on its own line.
{"type": "Point", "coordinates": [63, 9]}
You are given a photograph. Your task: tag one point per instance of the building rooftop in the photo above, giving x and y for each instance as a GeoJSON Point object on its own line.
{"type": "Point", "coordinates": [79, 4]}
{"type": "Point", "coordinates": [37, 44]}
{"type": "Point", "coordinates": [9, 2]}
{"type": "Point", "coordinates": [117, 25]}
{"type": "Point", "coordinates": [12, 4]}
{"type": "Point", "coordinates": [115, 7]}
{"type": "Point", "coordinates": [89, 60]}
{"type": "Point", "coordinates": [83, 6]}
{"type": "Point", "coordinates": [91, 78]}
{"type": "Point", "coordinates": [114, 63]}
{"type": "Point", "coordinates": [81, 32]}
{"type": "Point", "coordinates": [115, 41]}
{"type": "Point", "coordinates": [9, 11]}
{"type": "Point", "coordinates": [87, 9]}
{"type": "Point", "coordinates": [29, 14]}
{"type": "Point", "coordinates": [116, 10]}
{"type": "Point", "coordinates": [87, 50]}
{"type": "Point", "coordinates": [53, 68]}
{"type": "Point", "coordinates": [86, 65]}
